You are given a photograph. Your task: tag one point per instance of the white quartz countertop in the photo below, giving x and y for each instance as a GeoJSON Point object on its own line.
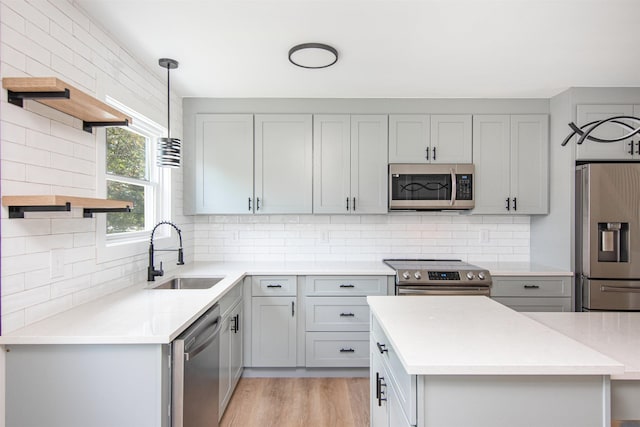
{"type": "Point", "coordinates": [615, 334]}
{"type": "Point", "coordinates": [521, 269]}
{"type": "Point", "coordinates": [140, 315]}
{"type": "Point", "coordinates": [474, 335]}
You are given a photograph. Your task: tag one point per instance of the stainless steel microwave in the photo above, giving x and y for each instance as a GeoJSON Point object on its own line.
{"type": "Point", "coordinates": [430, 186]}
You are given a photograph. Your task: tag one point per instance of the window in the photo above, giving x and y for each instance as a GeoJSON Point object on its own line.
{"type": "Point", "coordinates": [126, 162]}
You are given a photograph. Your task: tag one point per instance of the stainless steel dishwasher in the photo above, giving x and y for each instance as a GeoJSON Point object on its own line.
{"type": "Point", "coordinates": [196, 359]}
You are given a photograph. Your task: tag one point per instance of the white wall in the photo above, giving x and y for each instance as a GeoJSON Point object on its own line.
{"type": "Point", "coordinates": [46, 152]}
{"type": "Point", "coordinates": [360, 237]}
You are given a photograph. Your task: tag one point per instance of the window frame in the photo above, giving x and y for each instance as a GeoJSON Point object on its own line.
{"type": "Point", "coordinates": [157, 204]}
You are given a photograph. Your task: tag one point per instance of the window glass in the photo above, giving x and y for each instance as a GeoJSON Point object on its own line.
{"type": "Point", "coordinates": [127, 153]}
{"type": "Point", "coordinates": [127, 221]}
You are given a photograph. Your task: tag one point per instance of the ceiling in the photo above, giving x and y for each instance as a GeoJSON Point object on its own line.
{"type": "Point", "coordinates": [388, 48]}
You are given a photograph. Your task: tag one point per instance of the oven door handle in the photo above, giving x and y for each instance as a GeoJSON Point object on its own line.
{"type": "Point", "coordinates": [458, 290]}
{"type": "Point", "coordinates": [454, 187]}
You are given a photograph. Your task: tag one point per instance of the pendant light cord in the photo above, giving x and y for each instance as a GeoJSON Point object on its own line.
{"type": "Point", "coordinates": [168, 103]}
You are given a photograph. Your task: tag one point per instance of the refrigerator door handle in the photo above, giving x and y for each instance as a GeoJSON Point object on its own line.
{"type": "Point", "coordinates": [609, 288]}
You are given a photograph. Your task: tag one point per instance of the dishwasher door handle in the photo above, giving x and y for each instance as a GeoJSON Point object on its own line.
{"type": "Point", "coordinates": [216, 324]}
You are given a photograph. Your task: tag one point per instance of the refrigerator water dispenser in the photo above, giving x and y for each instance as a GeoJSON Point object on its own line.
{"type": "Point", "coordinates": [613, 242]}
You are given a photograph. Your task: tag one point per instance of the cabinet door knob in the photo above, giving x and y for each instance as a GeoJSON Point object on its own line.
{"type": "Point", "coordinates": [508, 207]}
{"type": "Point", "coordinates": [515, 206]}
{"type": "Point", "coordinates": [274, 286]}
{"type": "Point", "coordinates": [434, 153]}
{"type": "Point", "coordinates": [347, 203]}
{"type": "Point", "coordinates": [258, 203]}
{"type": "Point", "coordinates": [347, 286]}
{"type": "Point", "coordinates": [638, 152]}
{"type": "Point", "coordinates": [347, 350]}
{"type": "Point", "coordinates": [347, 315]}
{"type": "Point", "coordinates": [631, 148]}
{"type": "Point", "coordinates": [427, 151]}
{"type": "Point", "coordinates": [532, 286]}
{"type": "Point", "coordinates": [249, 204]}
{"type": "Point", "coordinates": [354, 204]}
{"type": "Point", "coordinates": [293, 308]}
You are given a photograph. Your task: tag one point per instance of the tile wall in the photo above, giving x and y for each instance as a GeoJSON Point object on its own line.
{"type": "Point", "coordinates": [46, 152]}
{"type": "Point", "coordinates": [473, 238]}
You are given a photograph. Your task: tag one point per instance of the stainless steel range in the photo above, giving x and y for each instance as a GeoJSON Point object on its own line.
{"type": "Point", "coordinates": [439, 277]}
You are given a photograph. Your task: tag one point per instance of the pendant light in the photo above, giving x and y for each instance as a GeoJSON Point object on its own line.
{"type": "Point", "coordinates": [168, 148]}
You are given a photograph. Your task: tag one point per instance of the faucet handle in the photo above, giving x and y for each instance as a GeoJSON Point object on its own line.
{"type": "Point", "coordinates": [160, 271]}
{"type": "Point", "coordinates": [180, 257]}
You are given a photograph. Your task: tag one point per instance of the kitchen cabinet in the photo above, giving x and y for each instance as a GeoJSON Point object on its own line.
{"type": "Point", "coordinates": [522, 293]}
{"type": "Point", "coordinates": [224, 164]}
{"type": "Point", "coordinates": [627, 149]}
{"type": "Point", "coordinates": [337, 319]}
{"type": "Point", "coordinates": [511, 158]}
{"type": "Point", "coordinates": [436, 138]}
{"type": "Point", "coordinates": [231, 344]}
{"type": "Point", "coordinates": [393, 392]}
{"type": "Point", "coordinates": [283, 163]}
{"type": "Point", "coordinates": [103, 385]}
{"type": "Point", "coordinates": [273, 322]}
{"type": "Point", "coordinates": [350, 164]}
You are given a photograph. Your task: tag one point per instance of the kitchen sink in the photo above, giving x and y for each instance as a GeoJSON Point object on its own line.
{"type": "Point", "coordinates": [189, 283]}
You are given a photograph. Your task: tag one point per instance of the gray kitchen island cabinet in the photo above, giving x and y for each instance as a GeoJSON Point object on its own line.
{"type": "Point", "coordinates": [350, 164]}
{"type": "Point", "coordinates": [467, 361]}
{"type": "Point", "coordinates": [435, 138]}
{"type": "Point", "coordinates": [511, 158]}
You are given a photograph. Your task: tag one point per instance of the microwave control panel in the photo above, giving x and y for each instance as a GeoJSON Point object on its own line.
{"type": "Point", "coordinates": [464, 187]}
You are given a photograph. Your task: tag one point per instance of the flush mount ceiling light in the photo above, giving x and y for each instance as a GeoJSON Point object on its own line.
{"type": "Point", "coordinates": [168, 148]}
{"type": "Point", "coordinates": [313, 55]}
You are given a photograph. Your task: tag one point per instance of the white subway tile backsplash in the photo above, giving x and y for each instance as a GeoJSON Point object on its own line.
{"type": "Point", "coordinates": [11, 18]}
{"type": "Point", "coordinates": [27, 46]}
{"type": "Point", "coordinates": [22, 300]}
{"type": "Point", "coordinates": [12, 284]}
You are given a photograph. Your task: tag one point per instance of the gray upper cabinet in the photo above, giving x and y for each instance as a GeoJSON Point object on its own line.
{"type": "Point", "coordinates": [422, 138]}
{"type": "Point", "coordinates": [451, 138]}
{"type": "Point", "coordinates": [350, 164]}
{"type": "Point", "coordinates": [628, 149]}
{"type": "Point", "coordinates": [283, 163]}
{"type": "Point", "coordinates": [223, 163]}
{"type": "Point", "coordinates": [511, 164]}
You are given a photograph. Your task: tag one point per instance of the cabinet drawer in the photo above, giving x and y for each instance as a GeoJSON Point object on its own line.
{"type": "Point", "coordinates": [230, 299]}
{"type": "Point", "coordinates": [337, 349]}
{"type": "Point", "coordinates": [531, 287]}
{"type": "Point", "coordinates": [337, 314]}
{"type": "Point", "coordinates": [405, 385]}
{"type": "Point", "coordinates": [537, 304]}
{"type": "Point", "coordinates": [346, 285]}
{"type": "Point", "coordinates": [267, 286]}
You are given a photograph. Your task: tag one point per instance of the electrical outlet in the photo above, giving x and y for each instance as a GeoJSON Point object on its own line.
{"type": "Point", "coordinates": [56, 263]}
{"type": "Point", "coordinates": [484, 236]}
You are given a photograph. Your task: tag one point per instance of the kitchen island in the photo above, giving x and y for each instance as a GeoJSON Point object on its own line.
{"type": "Point", "coordinates": [615, 334]}
{"type": "Point", "coordinates": [469, 361]}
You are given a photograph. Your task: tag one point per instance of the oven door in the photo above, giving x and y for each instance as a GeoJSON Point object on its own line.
{"type": "Point", "coordinates": [439, 186]}
{"type": "Point", "coordinates": [406, 290]}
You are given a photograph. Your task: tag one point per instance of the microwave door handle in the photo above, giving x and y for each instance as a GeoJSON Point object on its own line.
{"type": "Point", "coordinates": [454, 185]}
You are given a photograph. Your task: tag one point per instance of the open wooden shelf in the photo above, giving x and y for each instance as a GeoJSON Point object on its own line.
{"type": "Point", "coordinates": [18, 205]}
{"type": "Point", "coordinates": [62, 96]}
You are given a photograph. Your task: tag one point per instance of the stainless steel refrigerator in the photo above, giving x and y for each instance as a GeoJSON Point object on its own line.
{"type": "Point", "coordinates": [608, 237]}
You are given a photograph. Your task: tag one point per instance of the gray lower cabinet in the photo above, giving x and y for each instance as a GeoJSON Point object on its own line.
{"type": "Point", "coordinates": [231, 344]}
{"type": "Point", "coordinates": [534, 293]}
{"type": "Point", "coordinates": [337, 319]}
{"type": "Point", "coordinates": [88, 385]}
{"type": "Point", "coordinates": [273, 321]}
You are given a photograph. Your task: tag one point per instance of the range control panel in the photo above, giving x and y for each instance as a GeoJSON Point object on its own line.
{"type": "Point", "coordinates": [477, 277]}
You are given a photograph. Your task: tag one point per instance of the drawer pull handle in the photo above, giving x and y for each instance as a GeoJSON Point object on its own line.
{"type": "Point", "coordinates": [382, 347]}
{"type": "Point", "coordinates": [274, 286]}
{"type": "Point", "coordinates": [347, 286]}
{"type": "Point", "coordinates": [347, 350]}
{"type": "Point", "coordinates": [531, 286]}
{"type": "Point", "coordinates": [347, 315]}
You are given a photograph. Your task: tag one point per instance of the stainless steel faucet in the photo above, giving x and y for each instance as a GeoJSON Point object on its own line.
{"type": "Point", "coordinates": [151, 269]}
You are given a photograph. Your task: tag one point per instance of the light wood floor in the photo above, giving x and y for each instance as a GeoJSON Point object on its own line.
{"type": "Point", "coordinates": [295, 402]}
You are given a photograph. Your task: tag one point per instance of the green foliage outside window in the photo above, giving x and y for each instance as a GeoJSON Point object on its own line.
{"type": "Point", "coordinates": [126, 157]}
